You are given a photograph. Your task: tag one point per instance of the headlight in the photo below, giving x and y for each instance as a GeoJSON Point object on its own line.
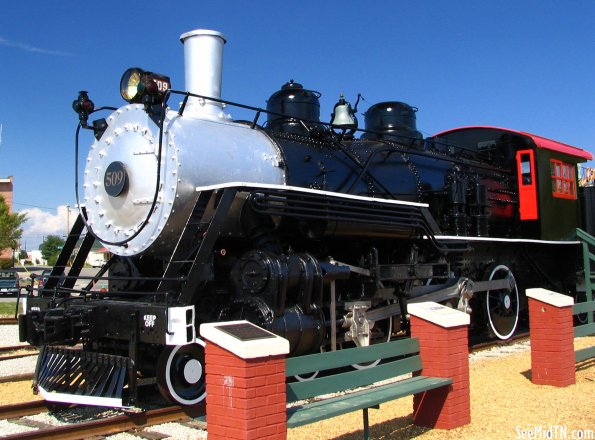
{"type": "Point", "coordinates": [138, 86]}
{"type": "Point", "coordinates": [130, 85]}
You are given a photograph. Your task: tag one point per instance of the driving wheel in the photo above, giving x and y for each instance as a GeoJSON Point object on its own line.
{"type": "Point", "coordinates": [502, 305]}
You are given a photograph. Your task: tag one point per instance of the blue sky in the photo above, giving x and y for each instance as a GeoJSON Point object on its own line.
{"type": "Point", "coordinates": [521, 64]}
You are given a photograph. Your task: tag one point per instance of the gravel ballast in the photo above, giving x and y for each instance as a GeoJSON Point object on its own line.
{"type": "Point", "coordinates": [9, 335]}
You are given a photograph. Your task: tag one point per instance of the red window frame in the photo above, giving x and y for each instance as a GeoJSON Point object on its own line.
{"type": "Point", "coordinates": [563, 179]}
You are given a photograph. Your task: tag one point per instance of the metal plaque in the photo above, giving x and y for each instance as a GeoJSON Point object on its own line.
{"type": "Point", "coordinates": [245, 331]}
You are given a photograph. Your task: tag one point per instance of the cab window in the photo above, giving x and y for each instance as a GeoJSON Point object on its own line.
{"type": "Point", "coordinates": [563, 179]}
{"type": "Point", "coordinates": [526, 177]}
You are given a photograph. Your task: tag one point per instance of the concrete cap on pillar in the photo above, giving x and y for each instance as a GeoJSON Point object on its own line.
{"type": "Point", "coordinates": [244, 339]}
{"type": "Point", "coordinates": [549, 297]}
{"type": "Point", "coordinates": [438, 314]}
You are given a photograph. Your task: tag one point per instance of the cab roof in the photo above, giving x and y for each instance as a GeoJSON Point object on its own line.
{"type": "Point", "coordinates": [539, 141]}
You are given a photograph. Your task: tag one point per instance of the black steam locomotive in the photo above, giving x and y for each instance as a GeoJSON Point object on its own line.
{"type": "Point", "coordinates": [320, 232]}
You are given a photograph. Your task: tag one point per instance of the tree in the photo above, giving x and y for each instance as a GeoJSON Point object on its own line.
{"type": "Point", "coordinates": [50, 248]}
{"type": "Point", "coordinates": [10, 227]}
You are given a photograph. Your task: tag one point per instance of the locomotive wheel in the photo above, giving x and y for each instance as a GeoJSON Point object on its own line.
{"type": "Point", "coordinates": [181, 373]}
{"type": "Point", "coordinates": [502, 305]}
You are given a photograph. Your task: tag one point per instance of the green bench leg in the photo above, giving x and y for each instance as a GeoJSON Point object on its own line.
{"type": "Point", "coordinates": [366, 421]}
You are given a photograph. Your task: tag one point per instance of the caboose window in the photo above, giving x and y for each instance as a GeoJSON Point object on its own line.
{"type": "Point", "coordinates": [563, 182]}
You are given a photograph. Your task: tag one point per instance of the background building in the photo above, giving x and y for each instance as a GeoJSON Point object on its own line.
{"type": "Point", "coordinates": [6, 189]}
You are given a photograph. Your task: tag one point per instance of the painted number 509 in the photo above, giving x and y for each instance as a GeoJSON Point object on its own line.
{"type": "Point", "coordinates": [114, 178]}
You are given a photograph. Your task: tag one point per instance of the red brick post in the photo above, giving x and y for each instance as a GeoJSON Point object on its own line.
{"type": "Point", "coordinates": [245, 379]}
{"type": "Point", "coordinates": [444, 349]}
{"type": "Point", "coordinates": [552, 338]}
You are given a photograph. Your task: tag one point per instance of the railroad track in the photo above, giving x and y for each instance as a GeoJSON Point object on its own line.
{"type": "Point", "coordinates": [8, 353]}
{"type": "Point", "coordinates": [22, 351]}
{"type": "Point", "coordinates": [16, 377]}
{"type": "Point", "coordinates": [23, 409]}
{"type": "Point", "coordinates": [9, 348]}
{"type": "Point", "coordinates": [8, 321]}
{"type": "Point", "coordinates": [128, 421]}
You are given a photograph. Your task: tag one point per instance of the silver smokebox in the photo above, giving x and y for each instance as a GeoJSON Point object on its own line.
{"type": "Point", "coordinates": [203, 64]}
{"type": "Point", "coordinates": [200, 148]}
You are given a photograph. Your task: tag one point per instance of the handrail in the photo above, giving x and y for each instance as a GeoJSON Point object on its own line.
{"type": "Point", "coordinates": [586, 237]}
{"type": "Point", "coordinates": [588, 267]}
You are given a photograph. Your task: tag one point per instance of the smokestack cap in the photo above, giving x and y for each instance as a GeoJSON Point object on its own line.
{"type": "Point", "coordinates": [202, 32]}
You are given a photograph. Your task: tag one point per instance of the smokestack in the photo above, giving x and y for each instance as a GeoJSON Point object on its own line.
{"type": "Point", "coordinates": [203, 61]}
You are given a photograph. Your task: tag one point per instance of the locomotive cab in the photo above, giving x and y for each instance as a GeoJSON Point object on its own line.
{"type": "Point", "coordinates": [546, 178]}
{"type": "Point", "coordinates": [557, 187]}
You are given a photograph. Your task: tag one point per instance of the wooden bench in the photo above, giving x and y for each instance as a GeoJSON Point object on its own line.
{"type": "Point", "coordinates": [398, 357]}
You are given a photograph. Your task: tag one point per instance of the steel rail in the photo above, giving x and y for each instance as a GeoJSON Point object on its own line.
{"type": "Point", "coordinates": [16, 377]}
{"type": "Point", "coordinates": [9, 348]}
{"type": "Point", "coordinates": [8, 321]}
{"type": "Point", "coordinates": [16, 356]}
{"type": "Point", "coordinates": [23, 409]}
{"type": "Point", "coordinates": [112, 425]}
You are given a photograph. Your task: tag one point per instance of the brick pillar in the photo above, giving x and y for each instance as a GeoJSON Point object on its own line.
{"type": "Point", "coordinates": [245, 384]}
{"type": "Point", "coordinates": [444, 349]}
{"type": "Point", "coordinates": [552, 338]}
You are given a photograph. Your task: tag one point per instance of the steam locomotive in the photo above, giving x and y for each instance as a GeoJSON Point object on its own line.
{"type": "Point", "coordinates": [321, 232]}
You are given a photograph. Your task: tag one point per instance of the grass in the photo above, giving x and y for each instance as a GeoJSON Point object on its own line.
{"type": "Point", "coordinates": [7, 308]}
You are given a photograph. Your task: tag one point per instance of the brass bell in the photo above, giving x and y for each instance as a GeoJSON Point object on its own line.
{"type": "Point", "coordinates": [342, 116]}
